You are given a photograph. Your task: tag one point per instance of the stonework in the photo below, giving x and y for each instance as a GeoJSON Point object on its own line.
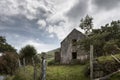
{"type": "Point", "coordinates": [70, 50]}
{"type": "Point", "coordinates": [57, 57]}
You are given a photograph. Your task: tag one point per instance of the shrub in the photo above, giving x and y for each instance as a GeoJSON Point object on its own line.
{"type": "Point", "coordinates": [9, 78]}
{"type": "Point", "coordinates": [8, 63]}
{"type": "Point", "coordinates": [53, 62]}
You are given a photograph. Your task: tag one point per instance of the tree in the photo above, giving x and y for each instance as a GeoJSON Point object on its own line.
{"type": "Point", "coordinates": [9, 57]}
{"type": "Point", "coordinates": [8, 63]}
{"type": "Point", "coordinates": [5, 47]}
{"type": "Point", "coordinates": [86, 24]}
{"type": "Point", "coordinates": [106, 40]}
{"type": "Point", "coordinates": [27, 53]}
{"type": "Point", "coordinates": [111, 47]}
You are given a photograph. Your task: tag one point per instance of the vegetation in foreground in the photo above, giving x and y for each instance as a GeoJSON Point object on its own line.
{"type": "Point", "coordinates": [115, 77]}
{"type": "Point", "coordinates": [75, 72]}
{"type": "Point", "coordinates": [58, 72]}
{"type": "Point", "coordinates": [108, 58]}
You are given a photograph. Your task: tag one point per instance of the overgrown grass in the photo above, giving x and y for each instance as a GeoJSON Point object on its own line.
{"type": "Point", "coordinates": [9, 78]}
{"type": "Point", "coordinates": [24, 74]}
{"type": "Point", "coordinates": [65, 72]}
{"type": "Point", "coordinates": [61, 72]}
{"type": "Point", "coordinates": [108, 58]}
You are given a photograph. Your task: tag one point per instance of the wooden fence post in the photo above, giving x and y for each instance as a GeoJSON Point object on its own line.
{"type": "Point", "coordinates": [91, 62]}
{"type": "Point", "coordinates": [35, 71]}
{"type": "Point", "coordinates": [43, 68]}
{"type": "Point", "coordinates": [24, 63]}
{"type": "Point", "coordinates": [19, 62]}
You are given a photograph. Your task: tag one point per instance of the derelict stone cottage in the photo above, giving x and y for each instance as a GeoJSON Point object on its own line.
{"type": "Point", "coordinates": [70, 50]}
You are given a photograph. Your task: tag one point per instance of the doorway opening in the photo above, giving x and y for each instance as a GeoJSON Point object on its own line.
{"type": "Point", "coordinates": [74, 55]}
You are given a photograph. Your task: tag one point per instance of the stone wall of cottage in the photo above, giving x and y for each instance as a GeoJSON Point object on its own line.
{"type": "Point", "coordinates": [67, 47]}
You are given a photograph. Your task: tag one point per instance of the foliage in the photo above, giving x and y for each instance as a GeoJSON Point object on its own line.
{"type": "Point", "coordinates": [24, 74]}
{"type": "Point", "coordinates": [20, 74]}
{"type": "Point", "coordinates": [52, 62]}
{"type": "Point", "coordinates": [4, 46]}
{"type": "Point", "coordinates": [9, 78]}
{"type": "Point", "coordinates": [115, 77]}
{"type": "Point", "coordinates": [61, 72]}
{"type": "Point", "coordinates": [37, 59]}
{"type": "Point", "coordinates": [86, 24]}
{"type": "Point", "coordinates": [8, 58]}
{"type": "Point", "coordinates": [105, 40]}
{"type": "Point", "coordinates": [109, 67]}
{"type": "Point", "coordinates": [8, 63]}
{"type": "Point", "coordinates": [107, 58]}
{"type": "Point", "coordinates": [27, 53]}
{"type": "Point", "coordinates": [111, 47]}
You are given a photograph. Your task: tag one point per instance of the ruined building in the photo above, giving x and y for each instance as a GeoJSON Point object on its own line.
{"type": "Point", "coordinates": [69, 50]}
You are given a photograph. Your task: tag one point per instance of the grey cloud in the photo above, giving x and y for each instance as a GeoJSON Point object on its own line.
{"type": "Point", "coordinates": [18, 21]}
{"type": "Point", "coordinates": [42, 13]}
{"type": "Point", "coordinates": [23, 27]}
{"type": "Point", "coordinates": [57, 23]}
{"type": "Point", "coordinates": [20, 24]}
{"type": "Point", "coordinates": [38, 9]}
{"type": "Point", "coordinates": [106, 4]}
{"type": "Point", "coordinates": [78, 10]}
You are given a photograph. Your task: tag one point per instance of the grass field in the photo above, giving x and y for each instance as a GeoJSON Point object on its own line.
{"type": "Point", "coordinates": [61, 72]}
{"type": "Point", "coordinates": [75, 72]}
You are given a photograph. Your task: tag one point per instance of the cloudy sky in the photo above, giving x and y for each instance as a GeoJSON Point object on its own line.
{"type": "Point", "coordinates": [45, 23]}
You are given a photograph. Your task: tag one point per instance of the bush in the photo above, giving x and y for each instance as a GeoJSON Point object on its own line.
{"type": "Point", "coordinates": [115, 77]}
{"type": "Point", "coordinates": [9, 78]}
{"type": "Point", "coordinates": [53, 62]}
{"type": "Point", "coordinates": [24, 73]}
{"type": "Point", "coordinates": [77, 61]}
{"type": "Point", "coordinates": [8, 63]}
{"type": "Point", "coordinates": [22, 76]}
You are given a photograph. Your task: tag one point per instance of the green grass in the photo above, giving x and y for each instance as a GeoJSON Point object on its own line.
{"type": "Point", "coordinates": [116, 77]}
{"type": "Point", "coordinates": [61, 72]}
{"type": "Point", "coordinates": [75, 72]}
{"type": "Point", "coordinates": [24, 74]}
{"type": "Point", "coordinates": [108, 58]}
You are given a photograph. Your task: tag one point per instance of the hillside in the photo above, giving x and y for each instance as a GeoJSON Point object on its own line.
{"type": "Point", "coordinates": [50, 54]}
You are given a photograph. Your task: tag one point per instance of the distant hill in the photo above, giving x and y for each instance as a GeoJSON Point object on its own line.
{"type": "Point", "coordinates": [50, 54]}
